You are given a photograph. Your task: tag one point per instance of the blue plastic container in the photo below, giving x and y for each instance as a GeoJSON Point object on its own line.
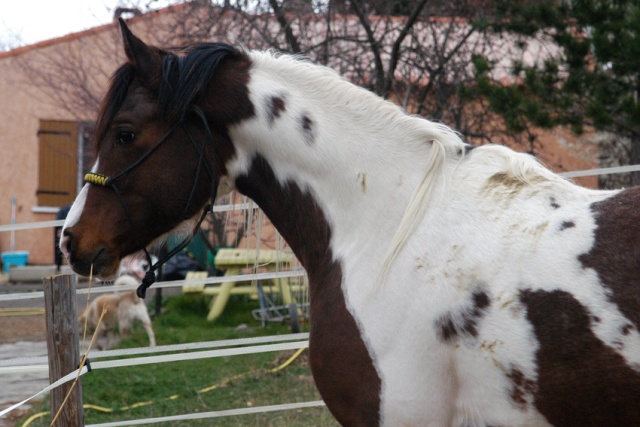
{"type": "Point", "coordinates": [17, 258]}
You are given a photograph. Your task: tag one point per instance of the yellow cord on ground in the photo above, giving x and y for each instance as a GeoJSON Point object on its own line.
{"type": "Point", "coordinates": [289, 361]}
{"type": "Point", "coordinates": [96, 407]}
{"type": "Point", "coordinates": [137, 405]}
{"type": "Point", "coordinates": [34, 417]}
{"type": "Point", "coordinates": [223, 382]}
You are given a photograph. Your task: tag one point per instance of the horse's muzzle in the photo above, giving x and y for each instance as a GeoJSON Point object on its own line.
{"type": "Point", "coordinates": [96, 261]}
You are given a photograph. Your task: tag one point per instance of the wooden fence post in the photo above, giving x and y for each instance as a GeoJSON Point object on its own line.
{"type": "Point", "coordinates": [61, 313]}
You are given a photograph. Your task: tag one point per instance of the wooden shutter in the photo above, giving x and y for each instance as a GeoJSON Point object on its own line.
{"type": "Point", "coordinates": [58, 160]}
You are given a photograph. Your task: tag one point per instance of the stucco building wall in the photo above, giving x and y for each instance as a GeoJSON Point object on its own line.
{"type": "Point", "coordinates": [23, 103]}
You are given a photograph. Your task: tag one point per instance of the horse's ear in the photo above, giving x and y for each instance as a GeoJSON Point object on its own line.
{"type": "Point", "coordinates": [146, 60]}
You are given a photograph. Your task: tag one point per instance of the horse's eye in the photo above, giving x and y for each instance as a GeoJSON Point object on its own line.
{"type": "Point", "coordinates": [125, 137]}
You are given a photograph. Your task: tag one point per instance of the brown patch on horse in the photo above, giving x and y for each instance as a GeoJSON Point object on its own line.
{"type": "Point", "coordinates": [505, 179]}
{"type": "Point", "coordinates": [581, 381]}
{"type": "Point", "coordinates": [227, 103]}
{"type": "Point", "coordinates": [276, 106]}
{"type": "Point", "coordinates": [521, 387]}
{"type": "Point", "coordinates": [567, 224]}
{"type": "Point", "coordinates": [342, 367]}
{"type": "Point", "coordinates": [463, 322]}
{"type": "Point", "coordinates": [307, 129]}
{"type": "Point", "coordinates": [615, 254]}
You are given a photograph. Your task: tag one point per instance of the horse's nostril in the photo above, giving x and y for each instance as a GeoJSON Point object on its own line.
{"type": "Point", "coordinates": [66, 243]}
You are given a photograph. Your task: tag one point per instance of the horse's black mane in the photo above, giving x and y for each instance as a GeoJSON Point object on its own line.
{"type": "Point", "coordinates": [183, 79]}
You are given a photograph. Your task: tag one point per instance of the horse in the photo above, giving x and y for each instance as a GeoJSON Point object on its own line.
{"type": "Point", "coordinates": [450, 284]}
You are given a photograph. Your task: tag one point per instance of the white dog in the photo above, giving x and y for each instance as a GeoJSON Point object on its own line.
{"type": "Point", "coordinates": [122, 310]}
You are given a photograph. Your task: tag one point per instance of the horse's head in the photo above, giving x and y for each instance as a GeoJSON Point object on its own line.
{"type": "Point", "coordinates": [162, 144]}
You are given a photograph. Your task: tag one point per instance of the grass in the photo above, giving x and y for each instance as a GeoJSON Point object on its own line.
{"type": "Point", "coordinates": [204, 385]}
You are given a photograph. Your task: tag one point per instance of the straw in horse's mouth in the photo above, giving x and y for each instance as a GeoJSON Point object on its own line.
{"type": "Point", "coordinates": [93, 261]}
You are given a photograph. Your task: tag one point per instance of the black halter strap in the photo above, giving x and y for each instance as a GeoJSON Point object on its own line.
{"type": "Point", "coordinates": [109, 181]}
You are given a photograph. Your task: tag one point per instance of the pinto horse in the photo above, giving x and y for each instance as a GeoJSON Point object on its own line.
{"type": "Point", "coordinates": [450, 285]}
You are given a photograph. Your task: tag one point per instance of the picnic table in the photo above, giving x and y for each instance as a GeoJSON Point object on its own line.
{"type": "Point", "coordinates": [234, 261]}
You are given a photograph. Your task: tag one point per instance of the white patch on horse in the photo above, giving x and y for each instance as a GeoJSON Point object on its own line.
{"type": "Point", "coordinates": [75, 212]}
{"type": "Point", "coordinates": [443, 224]}
{"type": "Point", "coordinates": [76, 209]}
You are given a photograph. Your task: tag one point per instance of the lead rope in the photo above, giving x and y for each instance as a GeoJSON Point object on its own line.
{"type": "Point", "coordinates": [106, 181]}
{"type": "Point", "coordinates": [150, 275]}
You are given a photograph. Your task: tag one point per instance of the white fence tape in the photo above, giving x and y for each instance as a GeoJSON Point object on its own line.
{"type": "Point", "coordinates": [136, 361]}
{"type": "Point", "coordinates": [26, 367]}
{"type": "Point", "coordinates": [24, 364]}
{"type": "Point", "coordinates": [169, 284]}
{"type": "Point", "coordinates": [60, 222]}
{"type": "Point", "coordinates": [69, 377]}
{"type": "Point", "coordinates": [179, 357]}
{"type": "Point", "coordinates": [214, 414]}
{"type": "Point", "coordinates": [601, 171]}
{"type": "Point", "coordinates": [173, 357]}
{"type": "Point", "coordinates": [31, 225]}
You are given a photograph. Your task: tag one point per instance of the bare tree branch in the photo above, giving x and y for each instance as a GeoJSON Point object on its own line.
{"type": "Point", "coordinates": [374, 44]}
{"type": "Point", "coordinates": [395, 50]}
{"type": "Point", "coordinates": [286, 26]}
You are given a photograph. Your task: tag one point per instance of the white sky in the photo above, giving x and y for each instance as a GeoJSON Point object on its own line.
{"type": "Point", "coordinates": [30, 21]}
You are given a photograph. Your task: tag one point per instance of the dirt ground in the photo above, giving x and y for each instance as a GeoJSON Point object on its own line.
{"type": "Point", "coordinates": [16, 328]}
{"type": "Point", "coordinates": [22, 328]}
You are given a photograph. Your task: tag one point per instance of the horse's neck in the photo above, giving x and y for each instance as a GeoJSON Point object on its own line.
{"type": "Point", "coordinates": [348, 189]}
{"type": "Point", "coordinates": [318, 144]}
